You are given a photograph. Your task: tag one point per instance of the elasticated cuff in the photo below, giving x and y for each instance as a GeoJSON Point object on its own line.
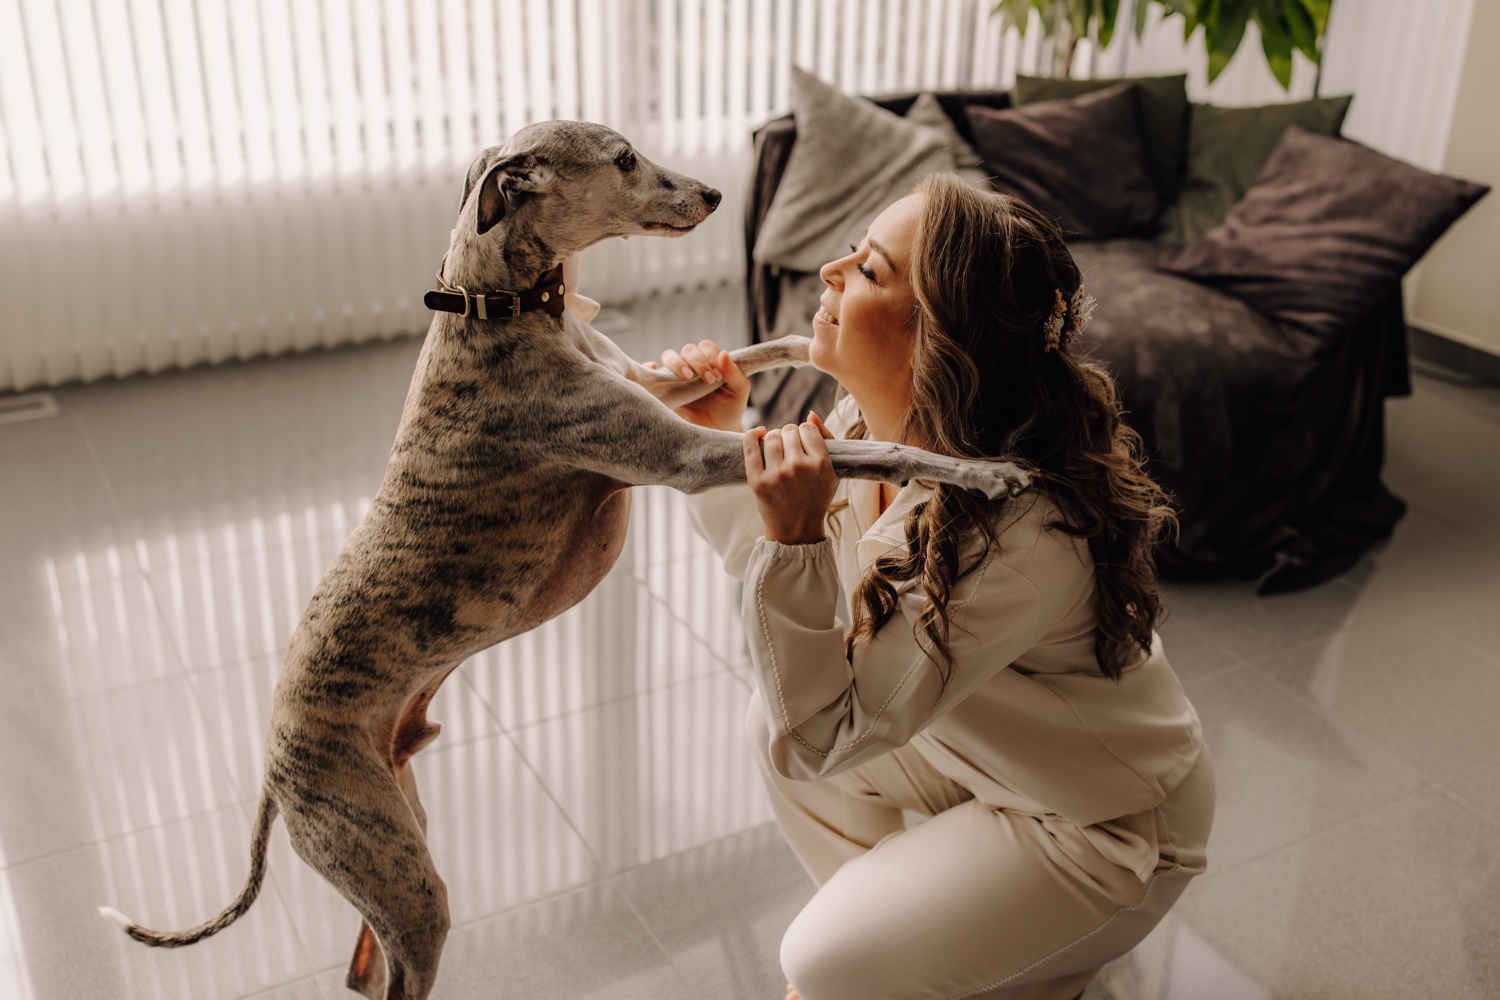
{"type": "Point", "coordinates": [781, 550]}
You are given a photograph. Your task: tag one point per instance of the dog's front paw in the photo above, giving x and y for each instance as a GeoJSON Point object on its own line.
{"type": "Point", "coordinates": [995, 479]}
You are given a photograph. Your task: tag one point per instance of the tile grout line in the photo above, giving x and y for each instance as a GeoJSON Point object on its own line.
{"type": "Point", "coordinates": [1487, 655]}
{"type": "Point", "coordinates": [241, 806]}
{"type": "Point", "coordinates": [1462, 802]}
{"type": "Point", "coordinates": [1347, 730]}
{"type": "Point", "coordinates": [1188, 683]}
{"type": "Point", "coordinates": [113, 838]}
{"type": "Point", "coordinates": [286, 908]}
{"type": "Point", "coordinates": [122, 525]}
{"type": "Point", "coordinates": [1347, 821]}
{"type": "Point", "coordinates": [493, 713]}
{"type": "Point", "coordinates": [1345, 727]}
{"type": "Point", "coordinates": [661, 949]}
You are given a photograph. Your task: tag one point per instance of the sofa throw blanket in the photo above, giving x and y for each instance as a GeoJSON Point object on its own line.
{"type": "Point", "coordinates": [851, 160]}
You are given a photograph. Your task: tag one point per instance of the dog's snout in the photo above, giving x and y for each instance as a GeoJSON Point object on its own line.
{"type": "Point", "coordinates": [711, 198]}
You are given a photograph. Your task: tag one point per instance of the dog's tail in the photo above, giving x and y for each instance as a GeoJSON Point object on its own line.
{"type": "Point", "coordinates": [259, 840]}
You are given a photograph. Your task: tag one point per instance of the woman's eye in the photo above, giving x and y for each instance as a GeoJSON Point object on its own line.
{"type": "Point", "coordinates": [869, 274]}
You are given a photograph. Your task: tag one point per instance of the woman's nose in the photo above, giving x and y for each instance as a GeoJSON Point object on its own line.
{"type": "Point", "coordinates": [829, 272]}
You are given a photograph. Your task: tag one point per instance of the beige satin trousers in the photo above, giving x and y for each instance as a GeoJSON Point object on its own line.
{"type": "Point", "coordinates": [972, 902]}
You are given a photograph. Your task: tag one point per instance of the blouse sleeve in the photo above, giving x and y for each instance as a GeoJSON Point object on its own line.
{"type": "Point", "coordinates": [728, 518]}
{"type": "Point", "coordinates": [828, 713]}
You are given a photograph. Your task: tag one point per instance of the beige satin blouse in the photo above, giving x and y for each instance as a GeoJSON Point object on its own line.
{"type": "Point", "coordinates": [1026, 721]}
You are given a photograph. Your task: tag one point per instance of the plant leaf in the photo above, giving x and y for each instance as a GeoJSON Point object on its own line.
{"type": "Point", "coordinates": [1224, 33]}
{"type": "Point", "coordinates": [1318, 10]}
{"type": "Point", "coordinates": [1142, 8]}
{"type": "Point", "coordinates": [1051, 17]}
{"type": "Point", "coordinates": [1014, 14]}
{"type": "Point", "coordinates": [1080, 12]}
{"type": "Point", "coordinates": [1303, 31]}
{"type": "Point", "coordinates": [1276, 40]}
{"type": "Point", "coordinates": [1109, 12]}
{"type": "Point", "coordinates": [1191, 20]}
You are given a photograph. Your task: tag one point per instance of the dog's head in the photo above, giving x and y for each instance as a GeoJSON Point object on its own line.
{"type": "Point", "coordinates": [569, 184]}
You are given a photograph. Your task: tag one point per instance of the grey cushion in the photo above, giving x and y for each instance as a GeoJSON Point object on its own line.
{"type": "Point", "coordinates": [967, 163]}
{"type": "Point", "coordinates": [851, 160]}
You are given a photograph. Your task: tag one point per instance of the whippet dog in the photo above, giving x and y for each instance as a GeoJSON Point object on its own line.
{"type": "Point", "coordinates": [505, 501]}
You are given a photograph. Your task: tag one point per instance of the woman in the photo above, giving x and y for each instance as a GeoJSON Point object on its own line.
{"type": "Point", "coordinates": [1002, 676]}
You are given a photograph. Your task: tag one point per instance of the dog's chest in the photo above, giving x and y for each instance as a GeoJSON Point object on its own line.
{"type": "Point", "coordinates": [585, 548]}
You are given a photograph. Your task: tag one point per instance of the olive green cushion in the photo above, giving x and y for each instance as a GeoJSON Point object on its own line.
{"type": "Point", "coordinates": [1227, 147]}
{"type": "Point", "coordinates": [1164, 116]}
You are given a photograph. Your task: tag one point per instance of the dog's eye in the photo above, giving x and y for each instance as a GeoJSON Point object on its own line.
{"type": "Point", "coordinates": [626, 161]}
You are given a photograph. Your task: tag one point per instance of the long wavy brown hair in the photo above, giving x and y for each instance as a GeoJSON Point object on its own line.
{"type": "Point", "coordinates": [987, 269]}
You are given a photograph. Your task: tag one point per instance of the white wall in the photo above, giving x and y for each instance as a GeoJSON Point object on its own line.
{"type": "Point", "coordinates": [1459, 291]}
{"type": "Point", "coordinates": [1399, 58]}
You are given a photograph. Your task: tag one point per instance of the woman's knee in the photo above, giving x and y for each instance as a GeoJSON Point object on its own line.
{"type": "Point", "coordinates": [757, 727]}
{"type": "Point", "coordinates": [829, 957]}
{"type": "Point", "coordinates": [819, 965]}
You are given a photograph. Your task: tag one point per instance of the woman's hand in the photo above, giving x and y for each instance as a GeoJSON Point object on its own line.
{"type": "Point", "coordinates": [580, 305]}
{"type": "Point", "coordinates": [792, 477]}
{"type": "Point", "coordinates": [724, 408]}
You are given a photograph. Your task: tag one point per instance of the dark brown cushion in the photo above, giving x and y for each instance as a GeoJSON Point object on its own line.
{"type": "Point", "coordinates": [1081, 160]}
{"type": "Point", "coordinates": [1164, 118]}
{"type": "Point", "coordinates": [1325, 232]}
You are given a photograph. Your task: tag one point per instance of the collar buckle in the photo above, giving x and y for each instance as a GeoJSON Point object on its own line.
{"type": "Point", "coordinates": [547, 296]}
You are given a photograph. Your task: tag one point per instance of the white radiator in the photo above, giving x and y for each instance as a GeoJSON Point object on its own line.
{"type": "Point", "coordinates": [185, 182]}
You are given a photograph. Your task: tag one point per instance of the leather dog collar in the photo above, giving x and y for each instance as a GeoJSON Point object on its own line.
{"type": "Point", "coordinates": [546, 295]}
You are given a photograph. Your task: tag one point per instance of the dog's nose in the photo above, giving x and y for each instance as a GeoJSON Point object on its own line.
{"type": "Point", "coordinates": [712, 197]}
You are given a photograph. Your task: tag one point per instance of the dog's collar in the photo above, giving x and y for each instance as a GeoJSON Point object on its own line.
{"type": "Point", "coordinates": [546, 295]}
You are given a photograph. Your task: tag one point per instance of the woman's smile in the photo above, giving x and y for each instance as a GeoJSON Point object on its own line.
{"type": "Point", "coordinates": [824, 316]}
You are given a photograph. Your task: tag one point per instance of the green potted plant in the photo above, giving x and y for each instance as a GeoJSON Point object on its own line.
{"type": "Point", "coordinates": [1285, 26]}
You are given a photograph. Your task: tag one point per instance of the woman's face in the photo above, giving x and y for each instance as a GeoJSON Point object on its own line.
{"type": "Point", "coordinates": [862, 335]}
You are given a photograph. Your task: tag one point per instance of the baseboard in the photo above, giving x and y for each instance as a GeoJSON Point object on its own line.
{"type": "Point", "coordinates": [1450, 354]}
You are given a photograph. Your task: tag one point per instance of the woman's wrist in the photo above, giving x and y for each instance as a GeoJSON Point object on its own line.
{"type": "Point", "coordinates": [733, 425]}
{"type": "Point", "coordinates": [796, 532]}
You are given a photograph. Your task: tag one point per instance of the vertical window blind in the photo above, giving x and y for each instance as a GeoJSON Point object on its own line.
{"type": "Point", "coordinates": [188, 181]}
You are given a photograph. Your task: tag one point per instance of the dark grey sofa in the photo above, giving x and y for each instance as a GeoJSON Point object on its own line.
{"type": "Point", "coordinates": [1270, 441]}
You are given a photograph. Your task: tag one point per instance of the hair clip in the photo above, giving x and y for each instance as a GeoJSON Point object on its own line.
{"type": "Point", "coordinates": [1081, 308]}
{"type": "Point", "coordinates": [1054, 326]}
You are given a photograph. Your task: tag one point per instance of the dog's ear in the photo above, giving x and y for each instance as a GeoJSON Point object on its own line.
{"type": "Point", "coordinates": [507, 186]}
{"type": "Point", "coordinates": [476, 171]}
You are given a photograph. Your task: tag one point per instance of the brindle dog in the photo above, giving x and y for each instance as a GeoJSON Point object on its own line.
{"type": "Point", "coordinates": [504, 503]}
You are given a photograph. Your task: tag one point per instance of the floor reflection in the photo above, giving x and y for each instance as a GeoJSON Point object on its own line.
{"type": "Point", "coordinates": [592, 803]}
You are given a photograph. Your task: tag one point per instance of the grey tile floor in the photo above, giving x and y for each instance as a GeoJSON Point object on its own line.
{"type": "Point", "coordinates": [591, 803]}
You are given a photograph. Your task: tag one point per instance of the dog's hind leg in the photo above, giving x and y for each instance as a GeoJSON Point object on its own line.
{"type": "Point", "coordinates": [367, 968]}
{"type": "Point", "coordinates": [367, 839]}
